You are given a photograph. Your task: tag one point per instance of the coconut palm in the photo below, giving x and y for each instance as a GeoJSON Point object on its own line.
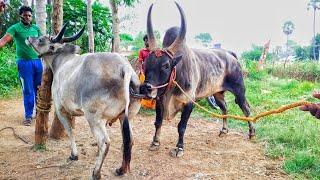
{"type": "Point", "coordinates": [288, 28]}
{"type": "Point", "coordinates": [314, 5]}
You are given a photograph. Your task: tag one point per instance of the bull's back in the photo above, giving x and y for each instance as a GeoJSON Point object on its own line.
{"type": "Point", "coordinates": [95, 76]}
{"type": "Point", "coordinates": [212, 67]}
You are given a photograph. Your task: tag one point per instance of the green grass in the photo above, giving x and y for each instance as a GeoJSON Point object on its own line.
{"type": "Point", "coordinates": [293, 135]}
{"type": "Point", "coordinates": [39, 147]}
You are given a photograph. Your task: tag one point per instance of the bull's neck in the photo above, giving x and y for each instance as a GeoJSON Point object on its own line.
{"type": "Point", "coordinates": [57, 60]}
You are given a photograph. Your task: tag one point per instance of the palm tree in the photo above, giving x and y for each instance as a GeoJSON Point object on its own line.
{"type": "Point", "coordinates": [90, 26]}
{"type": "Point", "coordinates": [287, 29]}
{"type": "Point", "coordinates": [315, 5]}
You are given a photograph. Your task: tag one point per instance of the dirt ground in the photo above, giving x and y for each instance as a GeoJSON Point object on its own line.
{"type": "Point", "coordinates": [206, 155]}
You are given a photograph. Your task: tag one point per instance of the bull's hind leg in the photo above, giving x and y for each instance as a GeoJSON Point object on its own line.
{"type": "Point", "coordinates": [98, 129]}
{"type": "Point", "coordinates": [235, 84]}
{"type": "Point", "coordinates": [62, 116]}
{"type": "Point", "coordinates": [244, 105]}
{"type": "Point", "coordinates": [155, 144]}
{"type": "Point", "coordinates": [219, 97]}
{"type": "Point", "coordinates": [187, 109]}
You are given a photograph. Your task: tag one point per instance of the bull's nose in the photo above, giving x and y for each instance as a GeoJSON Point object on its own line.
{"type": "Point", "coordinates": [145, 88]}
{"type": "Point", "coordinates": [148, 86]}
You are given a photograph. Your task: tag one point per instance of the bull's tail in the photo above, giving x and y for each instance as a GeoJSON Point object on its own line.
{"type": "Point", "coordinates": [126, 130]}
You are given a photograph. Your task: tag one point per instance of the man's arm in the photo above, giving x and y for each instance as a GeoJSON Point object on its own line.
{"type": "Point", "coordinates": [313, 108]}
{"type": "Point", "coordinates": [6, 38]}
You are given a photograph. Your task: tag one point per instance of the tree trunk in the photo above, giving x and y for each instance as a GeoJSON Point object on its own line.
{"type": "Point", "coordinates": [41, 15]}
{"type": "Point", "coordinates": [43, 101]}
{"type": "Point", "coordinates": [287, 54]}
{"type": "Point", "coordinates": [57, 16]}
{"type": "Point", "coordinates": [90, 26]}
{"type": "Point", "coordinates": [263, 56]}
{"type": "Point", "coordinates": [44, 94]}
{"type": "Point", "coordinates": [57, 130]}
{"type": "Point", "coordinates": [25, 2]}
{"type": "Point", "coordinates": [115, 26]}
{"type": "Point", "coordinates": [32, 4]}
{"type": "Point", "coordinates": [314, 34]}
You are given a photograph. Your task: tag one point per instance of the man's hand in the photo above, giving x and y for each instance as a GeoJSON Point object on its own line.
{"type": "Point", "coordinates": [313, 108]}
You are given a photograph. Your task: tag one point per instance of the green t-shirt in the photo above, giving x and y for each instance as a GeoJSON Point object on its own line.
{"type": "Point", "coordinates": [19, 32]}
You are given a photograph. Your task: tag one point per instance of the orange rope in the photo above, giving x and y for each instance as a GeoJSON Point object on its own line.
{"type": "Point", "coordinates": [248, 119]}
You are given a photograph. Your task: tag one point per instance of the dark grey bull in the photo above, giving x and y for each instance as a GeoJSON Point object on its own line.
{"type": "Point", "coordinates": [201, 73]}
{"type": "Point", "coordinates": [95, 85]}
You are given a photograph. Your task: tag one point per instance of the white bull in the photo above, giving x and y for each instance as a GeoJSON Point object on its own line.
{"type": "Point", "coordinates": [95, 85]}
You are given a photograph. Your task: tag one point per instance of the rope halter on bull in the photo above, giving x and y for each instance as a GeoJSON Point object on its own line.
{"type": "Point", "coordinates": [169, 84]}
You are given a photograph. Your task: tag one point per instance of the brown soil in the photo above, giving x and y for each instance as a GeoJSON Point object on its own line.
{"type": "Point", "coordinates": [206, 155]}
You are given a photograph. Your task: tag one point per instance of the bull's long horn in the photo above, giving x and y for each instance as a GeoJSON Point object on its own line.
{"type": "Point", "coordinates": [60, 34]}
{"type": "Point", "coordinates": [151, 38]}
{"type": "Point", "coordinates": [74, 37]}
{"type": "Point", "coordinates": [182, 34]}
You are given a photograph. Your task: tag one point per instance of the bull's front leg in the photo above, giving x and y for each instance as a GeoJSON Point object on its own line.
{"type": "Point", "coordinates": [187, 109]}
{"type": "Point", "coordinates": [155, 144]}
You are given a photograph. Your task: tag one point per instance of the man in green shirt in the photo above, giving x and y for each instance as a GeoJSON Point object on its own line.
{"type": "Point", "coordinates": [29, 65]}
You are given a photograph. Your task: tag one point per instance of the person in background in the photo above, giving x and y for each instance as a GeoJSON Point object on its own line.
{"type": "Point", "coordinates": [143, 54]}
{"type": "Point", "coordinates": [29, 65]}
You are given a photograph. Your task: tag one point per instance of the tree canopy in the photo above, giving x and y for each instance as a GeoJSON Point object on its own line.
{"type": "Point", "coordinates": [204, 38]}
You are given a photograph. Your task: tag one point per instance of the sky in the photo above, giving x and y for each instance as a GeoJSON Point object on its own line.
{"type": "Point", "coordinates": [233, 23]}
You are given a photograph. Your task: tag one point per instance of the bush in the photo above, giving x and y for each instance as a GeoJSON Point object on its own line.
{"type": "Point", "coordinates": [304, 70]}
{"type": "Point", "coordinates": [8, 69]}
{"type": "Point", "coordinates": [254, 54]}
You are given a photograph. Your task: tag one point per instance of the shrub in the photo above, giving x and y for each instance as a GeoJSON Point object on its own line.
{"type": "Point", "coordinates": [8, 69]}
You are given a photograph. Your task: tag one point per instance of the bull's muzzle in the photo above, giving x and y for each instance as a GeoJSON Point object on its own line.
{"type": "Point", "coordinates": [148, 90]}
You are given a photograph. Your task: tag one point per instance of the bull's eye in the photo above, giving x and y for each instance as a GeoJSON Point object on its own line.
{"type": "Point", "coordinates": [166, 66]}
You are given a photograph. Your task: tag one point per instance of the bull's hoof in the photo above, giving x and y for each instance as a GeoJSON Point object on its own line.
{"type": "Point", "coordinates": [154, 146]}
{"type": "Point", "coordinates": [223, 131]}
{"type": "Point", "coordinates": [96, 176]}
{"type": "Point", "coordinates": [252, 134]}
{"type": "Point", "coordinates": [73, 157]}
{"type": "Point", "coordinates": [176, 152]}
{"type": "Point", "coordinates": [119, 172]}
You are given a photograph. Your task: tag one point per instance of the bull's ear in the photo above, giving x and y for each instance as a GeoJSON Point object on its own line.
{"type": "Point", "coordinates": [176, 60]}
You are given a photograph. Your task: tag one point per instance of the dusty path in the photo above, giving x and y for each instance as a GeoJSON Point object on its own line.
{"type": "Point", "coordinates": [206, 155]}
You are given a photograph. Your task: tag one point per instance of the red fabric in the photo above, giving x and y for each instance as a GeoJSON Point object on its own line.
{"type": "Point", "coordinates": [143, 54]}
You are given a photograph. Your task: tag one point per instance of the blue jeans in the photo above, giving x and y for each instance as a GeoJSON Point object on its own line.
{"type": "Point", "coordinates": [30, 73]}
